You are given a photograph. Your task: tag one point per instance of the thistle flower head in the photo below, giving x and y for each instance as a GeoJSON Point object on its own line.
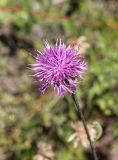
{"type": "Point", "coordinates": [59, 66]}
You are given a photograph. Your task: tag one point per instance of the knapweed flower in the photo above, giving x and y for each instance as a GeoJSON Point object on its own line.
{"type": "Point", "coordinates": [59, 66]}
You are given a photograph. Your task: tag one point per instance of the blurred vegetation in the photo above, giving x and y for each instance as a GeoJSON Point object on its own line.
{"type": "Point", "coordinates": [29, 120]}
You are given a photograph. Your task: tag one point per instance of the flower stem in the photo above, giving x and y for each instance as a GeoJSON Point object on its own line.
{"type": "Point", "coordinates": [80, 114]}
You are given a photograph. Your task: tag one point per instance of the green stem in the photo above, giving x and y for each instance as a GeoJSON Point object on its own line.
{"type": "Point", "coordinates": [80, 114]}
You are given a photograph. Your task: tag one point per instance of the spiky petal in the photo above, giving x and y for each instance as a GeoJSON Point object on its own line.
{"type": "Point", "coordinates": [59, 66]}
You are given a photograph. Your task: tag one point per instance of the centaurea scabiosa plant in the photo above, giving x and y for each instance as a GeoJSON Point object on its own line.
{"type": "Point", "coordinates": [61, 67]}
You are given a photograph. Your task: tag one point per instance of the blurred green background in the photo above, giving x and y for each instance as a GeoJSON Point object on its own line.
{"type": "Point", "coordinates": [31, 124]}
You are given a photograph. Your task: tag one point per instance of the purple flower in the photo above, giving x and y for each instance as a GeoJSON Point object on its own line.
{"type": "Point", "coordinates": [59, 66]}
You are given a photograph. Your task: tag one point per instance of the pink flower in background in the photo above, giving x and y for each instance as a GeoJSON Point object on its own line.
{"type": "Point", "coordinates": [59, 66]}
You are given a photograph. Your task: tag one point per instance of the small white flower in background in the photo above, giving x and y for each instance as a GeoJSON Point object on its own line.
{"type": "Point", "coordinates": [79, 136]}
{"type": "Point", "coordinates": [45, 152]}
{"type": "Point", "coordinates": [56, 2]}
{"type": "Point", "coordinates": [81, 42]}
{"type": "Point", "coordinates": [84, 45]}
